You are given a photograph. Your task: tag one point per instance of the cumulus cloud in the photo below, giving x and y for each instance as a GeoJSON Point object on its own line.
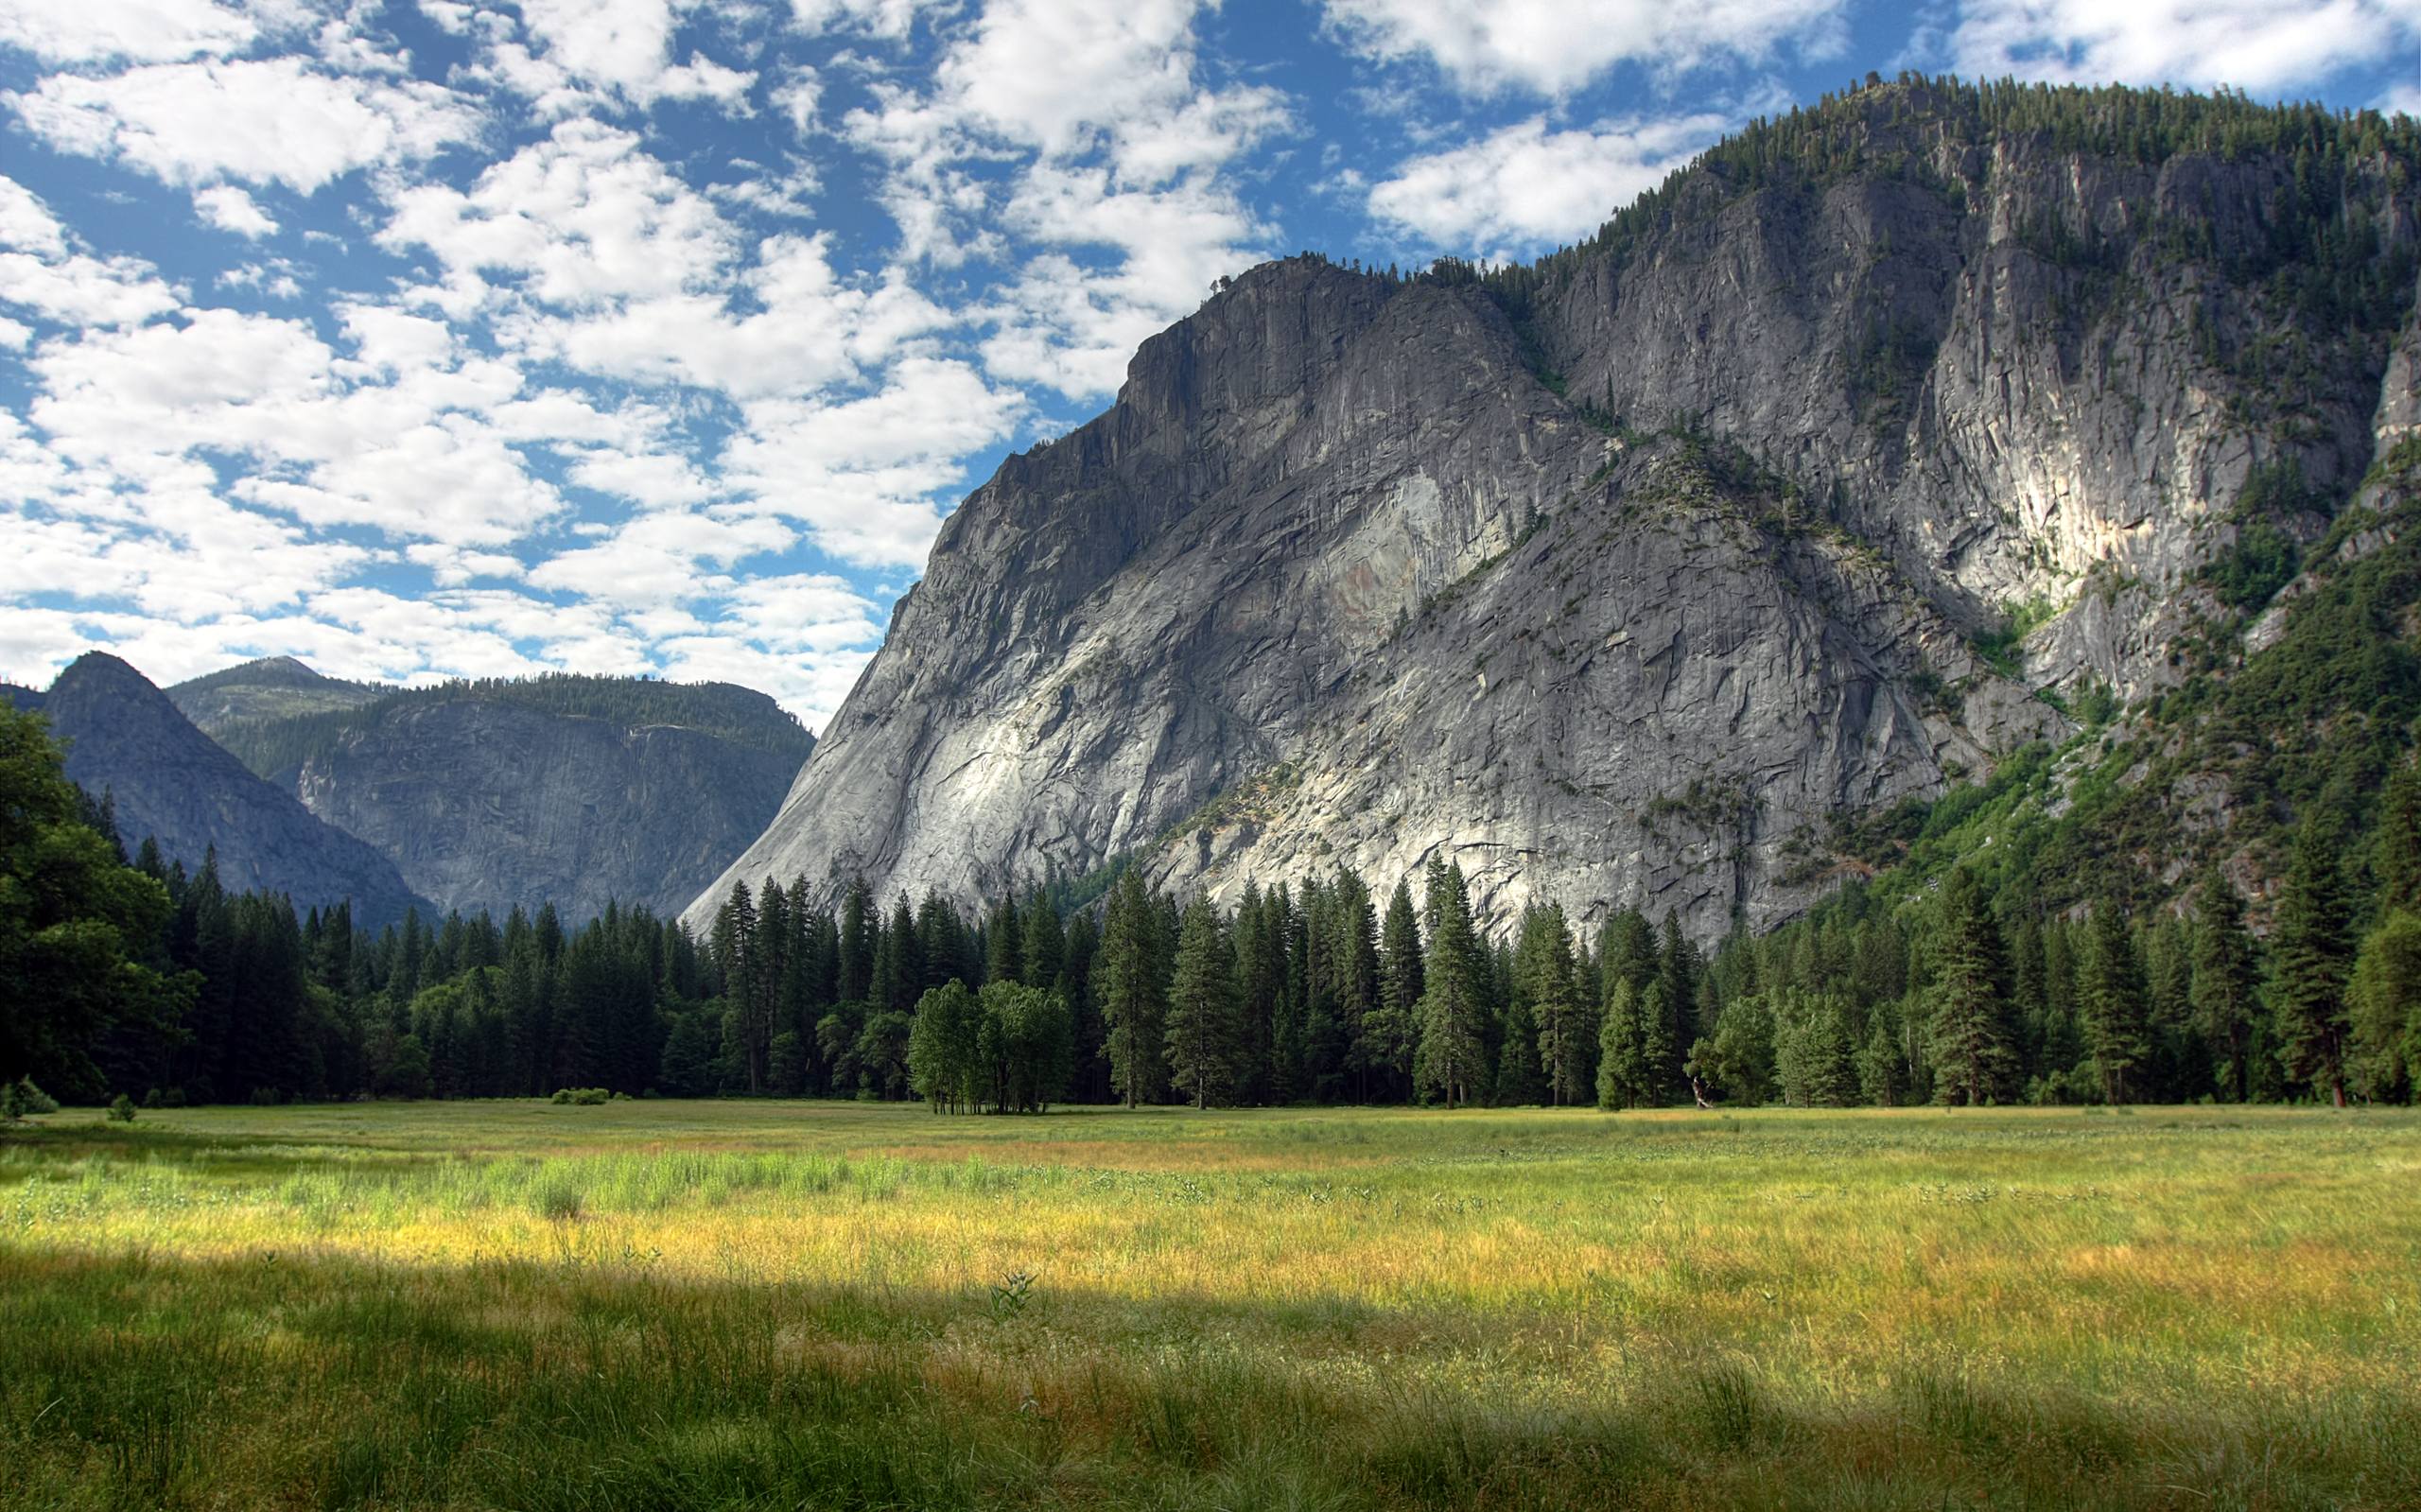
{"type": "Point", "coordinates": [864, 475]}
{"type": "Point", "coordinates": [1530, 184]}
{"type": "Point", "coordinates": [230, 208]}
{"type": "Point", "coordinates": [1556, 46]}
{"type": "Point", "coordinates": [2255, 45]}
{"type": "Point", "coordinates": [26, 224]}
{"type": "Point", "coordinates": [588, 53]}
{"type": "Point", "coordinates": [85, 31]}
{"type": "Point", "coordinates": [261, 121]}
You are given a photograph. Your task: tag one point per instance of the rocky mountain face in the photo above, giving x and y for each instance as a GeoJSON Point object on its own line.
{"type": "Point", "coordinates": [1828, 475]}
{"type": "Point", "coordinates": [579, 792]}
{"type": "Point", "coordinates": [273, 687]}
{"type": "Point", "coordinates": [170, 783]}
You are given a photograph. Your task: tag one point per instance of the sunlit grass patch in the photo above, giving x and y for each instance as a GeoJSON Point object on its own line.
{"type": "Point", "coordinates": [769, 1304]}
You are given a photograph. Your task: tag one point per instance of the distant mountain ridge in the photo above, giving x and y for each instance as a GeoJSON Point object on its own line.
{"type": "Point", "coordinates": [272, 687]}
{"type": "Point", "coordinates": [496, 793]}
{"type": "Point", "coordinates": [170, 783]}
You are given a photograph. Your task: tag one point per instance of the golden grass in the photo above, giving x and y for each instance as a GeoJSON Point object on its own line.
{"type": "Point", "coordinates": [1914, 1302]}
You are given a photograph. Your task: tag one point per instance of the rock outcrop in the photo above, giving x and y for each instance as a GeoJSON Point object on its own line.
{"type": "Point", "coordinates": [170, 783]}
{"type": "Point", "coordinates": [1624, 579]}
{"type": "Point", "coordinates": [486, 803]}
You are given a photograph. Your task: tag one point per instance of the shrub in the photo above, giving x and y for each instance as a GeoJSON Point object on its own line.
{"type": "Point", "coordinates": [33, 1099]}
{"type": "Point", "coordinates": [582, 1096]}
{"type": "Point", "coordinates": [122, 1111]}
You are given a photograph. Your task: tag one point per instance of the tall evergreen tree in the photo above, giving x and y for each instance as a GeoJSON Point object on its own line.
{"type": "Point", "coordinates": [2117, 1013]}
{"type": "Point", "coordinates": [1626, 1067]}
{"type": "Point", "coordinates": [2311, 959]}
{"type": "Point", "coordinates": [1451, 1059]}
{"type": "Point", "coordinates": [1204, 1044]}
{"type": "Point", "coordinates": [1566, 1031]}
{"type": "Point", "coordinates": [860, 924]}
{"type": "Point", "coordinates": [1132, 995]}
{"type": "Point", "coordinates": [1970, 1036]}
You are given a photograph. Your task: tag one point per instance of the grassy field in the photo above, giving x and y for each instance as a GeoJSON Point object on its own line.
{"type": "Point", "coordinates": [779, 1305]}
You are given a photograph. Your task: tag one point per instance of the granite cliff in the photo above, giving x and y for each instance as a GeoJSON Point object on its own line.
{"type": "Point", "coordinates": [168, 782]}
{"type": "Point", "coordinates": [1827, 475]}
{"type": "Point", "coordinates": [575, 790]}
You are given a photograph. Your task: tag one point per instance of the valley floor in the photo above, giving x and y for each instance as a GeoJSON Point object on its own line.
{"type": "Point", "coordinates": [779, 1305]}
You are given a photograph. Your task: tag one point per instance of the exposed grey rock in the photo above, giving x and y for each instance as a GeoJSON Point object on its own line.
{"type": "Point", "coordinates": [171, 783]}
{"type": "Point", "coordinates": [1284, 606]}
{"type": "Point", "coordinates": [484, 803]}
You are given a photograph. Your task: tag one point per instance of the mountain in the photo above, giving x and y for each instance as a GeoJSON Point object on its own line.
{"type": "Point", "coordinates": [491, 794]}
{"type": "Point", "coordinates": [270, 688]}
{"type": "Point", "coordinates": [171, 783]}
{"type": "Point", "coordinates": [1887, 441]}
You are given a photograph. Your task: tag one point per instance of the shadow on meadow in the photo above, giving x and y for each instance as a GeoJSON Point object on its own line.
{"type": "Point", "coordinates": [293, 1380]}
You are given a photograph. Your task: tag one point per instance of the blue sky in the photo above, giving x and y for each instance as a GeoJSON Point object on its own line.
{"type": "Point", "coordinates": [429, 339]}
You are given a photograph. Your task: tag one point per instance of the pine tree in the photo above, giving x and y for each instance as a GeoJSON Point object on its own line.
{"type": "Point", "coordinates": [1003, 944]}
{"type": "Point", "coordinates": [1626, 1068]}
{"type": "Point", "coordinates": [1042, 944]}
{"type": "Point", "coordinates": [1395, 1027]}
{"type": "Point", "coordinates": [1203, 1039]}
{"type": "Point", "coordinates": [2399, 862]}
{"type": "Point", "coordinates": [2116, 1011]}
{"type": "Point", "coordinates": [859, 927]}
{"type": "Point", "coordinates": [1520, 1080]}
{"type": "Point", "coordinates": [2385, 1007]}
{"type": "Point", "coordinates": [1566, 1036]}
{"type": "Point", "coordinates": [2311, 957]}
{"type": "Point", "coordinates": [1132, 994]}
{"type": "Point", "coordinates": [1352, 961]}
{"type": "Point", "coordinates": [1813, 1055]}
{"type": "Point", "coordinates": [1450, 1060]}
{"type": "Point", "coordinates": [1969, 1038]}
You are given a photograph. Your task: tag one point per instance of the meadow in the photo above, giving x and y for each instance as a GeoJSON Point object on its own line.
{"type": "Point", "coordinates": [667, 1304]}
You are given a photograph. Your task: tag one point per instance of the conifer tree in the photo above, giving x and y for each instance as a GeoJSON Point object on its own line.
{"type": "Point", "coordinates": [1626, 1067]}
{"type": "Point", "coordinates": [1395, 1029]}
{"type": "Point", "coordinates": [1450, 1060]}
{"type": "Point", "coordinates": [1003, 944]}
{"type": "Point", "coordinates": [1520, 1080]}
{"type": "Point", "coordinates": [859, 924]}
{"type": "Point", "coordinates": [1566, 1033]}
{"type": "Point", "coordinates": [2398, 862]}
{"type": "Point", "coordinates": [2312, 958]}
{"type": "Point", "coordinates": [1042, 944]}
{"type": "Point", "coordinates": [1969, 1036]}
{"type": "Point", "coordinates": [1132, 995]}
{"type": "Point", "coordinates": [2116, 1011]}
{"type": "Point", "coordinates": [1204, 1047]}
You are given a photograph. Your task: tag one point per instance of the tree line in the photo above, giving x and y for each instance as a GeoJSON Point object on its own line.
{"type": "Point", "coordinates": [129, 974]}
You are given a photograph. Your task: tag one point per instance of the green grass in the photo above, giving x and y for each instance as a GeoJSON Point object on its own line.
{"type": "Point", "coordinates": [780, 1305]}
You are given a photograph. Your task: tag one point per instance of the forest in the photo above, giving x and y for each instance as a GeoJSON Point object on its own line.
{"type": "Point", "coordinates": [130, 977]}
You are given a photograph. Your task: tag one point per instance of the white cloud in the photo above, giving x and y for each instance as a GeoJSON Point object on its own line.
{"type": "Point", "coordinates": [655, 561]}
{"type": "Point", "coordinates": [584, 217]}
{"type": "Point", "coordinates": [269, 121]}
{"type": "Point", "coordinates": [84, 31]}
{"type": "Point", "coordinates": [865, 476]}
{"type": "Point", "coordinates": [1556, 46]}
{"type": "Point", "coordinates": [888, 20]}
{"type": "Point", "coordinates": [26, 224]}
{"type": "Point", "coordinates": [230, 208]}
{"type": "Point", "coordinates": [1074, 327]}
{"type": "Point", "coordinates": [601, 52]}
{"type": "Point", "coordinates": [1527, 185]}
{"type": "Point", "coordinates": [2255, 45]}
{"type": "Point", "coordinates": [87, 291]}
